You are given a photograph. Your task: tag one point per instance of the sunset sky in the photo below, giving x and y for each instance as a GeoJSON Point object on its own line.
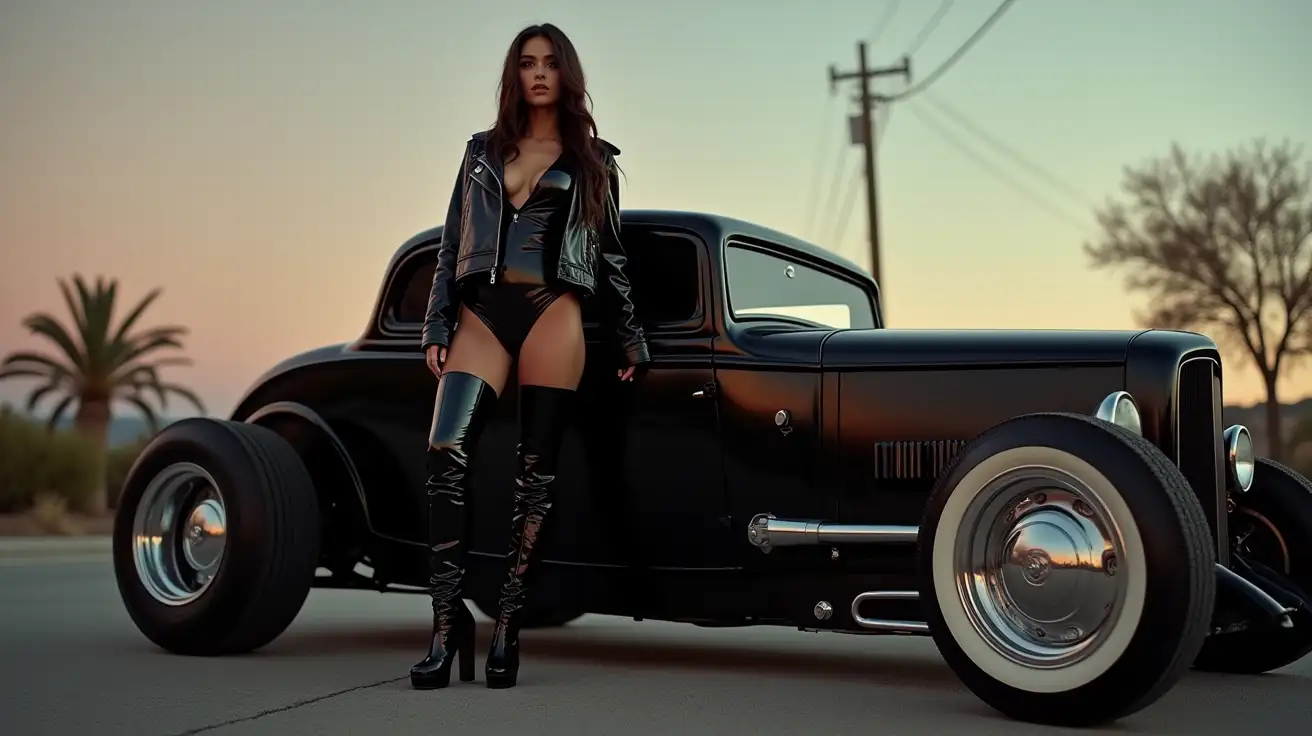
{"type": "Point", "coordinates": [261, 160]}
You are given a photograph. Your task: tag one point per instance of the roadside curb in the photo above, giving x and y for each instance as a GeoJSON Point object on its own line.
{"type": "Point", "coordinates": [21, 547]}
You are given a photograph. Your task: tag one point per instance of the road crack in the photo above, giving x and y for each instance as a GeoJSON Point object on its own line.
{"type": "Point", "coordinates": [290, 706]}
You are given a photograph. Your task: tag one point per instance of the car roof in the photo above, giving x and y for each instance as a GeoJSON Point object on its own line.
{"type": "Point", "coordinates": [713, 228]}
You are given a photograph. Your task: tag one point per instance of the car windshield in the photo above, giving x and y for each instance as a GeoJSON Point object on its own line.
{"type": "Point", "coordinates": [765, 285]}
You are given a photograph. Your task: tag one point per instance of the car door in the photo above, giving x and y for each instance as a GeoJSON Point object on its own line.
{"type": "Point", "coordinates": [651, 448]}
{"type": "Point", "coordinates": [780, 307]}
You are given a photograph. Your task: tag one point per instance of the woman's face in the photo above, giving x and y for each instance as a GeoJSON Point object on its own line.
{"type": "Point", "coordinates": [539, 72]}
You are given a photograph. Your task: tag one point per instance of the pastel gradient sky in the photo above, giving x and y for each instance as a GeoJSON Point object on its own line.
{"type": "Point", "coordinates": [262, 159]}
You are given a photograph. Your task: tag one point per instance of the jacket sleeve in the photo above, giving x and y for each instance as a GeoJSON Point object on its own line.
{"type": "Point", "coordinates": [615, 292]}
{"type": "Point", "coordinates": [440, 317]}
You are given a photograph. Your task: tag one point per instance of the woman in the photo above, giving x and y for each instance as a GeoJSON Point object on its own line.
{"type": "Point", "coordinates": [532, 228]}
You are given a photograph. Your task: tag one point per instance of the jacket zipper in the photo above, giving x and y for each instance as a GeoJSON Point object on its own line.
{"type": "Point", "coordinates": [501, 206]}
{"type": "Point", "coordinates": [514, 218]}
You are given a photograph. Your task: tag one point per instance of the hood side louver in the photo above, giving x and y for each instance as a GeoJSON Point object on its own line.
{"type": "Point", "coordinates": [914, 459]}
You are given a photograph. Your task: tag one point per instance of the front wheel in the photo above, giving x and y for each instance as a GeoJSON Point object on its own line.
{"type": "Point", "coordinates": [216, 538]}
{"type": "Point", "coordinates": [1066, 570]}
{"type": "Point", "coordinates": [1270, 525]}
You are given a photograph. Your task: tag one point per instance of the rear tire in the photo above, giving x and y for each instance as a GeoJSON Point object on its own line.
{"type": "Point", "coordinates": [1102, 520]}
{"type": "Point", "coordinates": [216, 537]}
{"type": "Point", "coordinates": [1271, 525]}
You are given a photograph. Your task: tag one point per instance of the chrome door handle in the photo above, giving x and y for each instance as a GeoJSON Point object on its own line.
{"type": "Point", "coordinates": [707, 390]}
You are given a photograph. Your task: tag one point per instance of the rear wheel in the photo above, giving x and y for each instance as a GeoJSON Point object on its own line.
{"type": "Point", "coordinates": [1066, 570]}
{"type": "Point", "coordinates": [216, 537]}
{"type": "Point", "coordinates": [1271, 525]}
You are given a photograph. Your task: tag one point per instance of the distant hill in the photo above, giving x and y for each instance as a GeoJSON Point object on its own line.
{"type": "Point", "coordinates": [127, 429]}
{"type": "Point", "coordinates": [124, 430]}
{"type": "Point", "coordinates": [1254, 417]}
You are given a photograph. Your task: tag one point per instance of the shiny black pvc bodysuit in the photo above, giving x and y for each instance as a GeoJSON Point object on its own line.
{"type": "Point", "coordinates": [523, 284]}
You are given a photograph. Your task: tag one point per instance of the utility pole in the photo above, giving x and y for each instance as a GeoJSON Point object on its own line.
{"type": "Point", "coordinates": [862, 133]}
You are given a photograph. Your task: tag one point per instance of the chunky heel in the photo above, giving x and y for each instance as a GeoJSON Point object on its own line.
{"type": "Point", "coordinates": [466, 655]}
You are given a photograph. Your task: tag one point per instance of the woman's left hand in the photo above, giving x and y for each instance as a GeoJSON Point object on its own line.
{"type": "Point", "coordinates": [626, 374]}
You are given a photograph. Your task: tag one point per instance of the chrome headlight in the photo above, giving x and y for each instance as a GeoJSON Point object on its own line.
{"type": "Point", "coordinates": [1240, 461]}
{"type": "Point", "coordinates": [1119, 409]}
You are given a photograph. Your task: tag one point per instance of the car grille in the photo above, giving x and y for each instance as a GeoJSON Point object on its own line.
{"type": "Point", "coordinates": [1198, 441]}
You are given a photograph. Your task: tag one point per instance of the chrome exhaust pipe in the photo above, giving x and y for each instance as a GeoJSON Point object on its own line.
{"type": "Point", "coordinates": [767, 532]}
{"type": "Point", "coordinates": [887, 624]}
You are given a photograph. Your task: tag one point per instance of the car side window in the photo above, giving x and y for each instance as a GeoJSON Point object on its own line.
{"type": "Point", "coordinates": [412, 305]}
{"type": "Point", "coordinates": [664, 276]}
{"type": "Point", "coordinates": [663, 271]}
{"type": "Point", "coordinates": [767, 285]}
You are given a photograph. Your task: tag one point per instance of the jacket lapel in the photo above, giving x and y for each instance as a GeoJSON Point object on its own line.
{"type": "Point", "coordinates": [489, 176]}
{"type": "Point", "coordinates": [485, 175]}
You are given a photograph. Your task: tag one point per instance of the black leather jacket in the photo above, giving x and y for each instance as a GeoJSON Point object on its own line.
{"type": "Point", "coordinates": [471, 246]}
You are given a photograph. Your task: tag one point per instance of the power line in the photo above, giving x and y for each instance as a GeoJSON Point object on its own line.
{"type": "Point", "coordinates": [943, 68]}
{"type": "Point", "coordinates": [884, 112]}
{"type": "Point", "coordinates": [841, 222]}
{"type": "Point", "coordinates": [834, 184]}
{"type": "Point", "coordinates": [828, 120]}
{"type": "Point", "coordinates": [964, 121]}
{"type": "Point", "coordinates": [965, 149]}
{"type": "Point", "coordinates": [882, 24]}
{"type": "Point", "coordinates": [930, 26]}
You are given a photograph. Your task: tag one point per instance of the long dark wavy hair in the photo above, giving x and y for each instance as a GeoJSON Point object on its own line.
{"type": "Point", "coordinates": [578, 130]}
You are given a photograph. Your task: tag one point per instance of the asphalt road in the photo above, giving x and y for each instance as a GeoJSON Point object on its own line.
{"type": "Point", "coordinates": [73, 663]}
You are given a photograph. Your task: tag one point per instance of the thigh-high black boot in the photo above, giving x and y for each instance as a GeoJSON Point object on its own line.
{"type": "Point", "coordinates": [545, 413]}
{"type": "Point", "coordinates": [464, 405]}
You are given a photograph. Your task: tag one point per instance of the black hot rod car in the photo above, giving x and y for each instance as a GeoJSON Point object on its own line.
{"type": "Point", "coordinates": [1062, 511]}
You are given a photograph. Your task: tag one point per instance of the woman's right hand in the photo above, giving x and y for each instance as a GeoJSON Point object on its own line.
{"type": "Point", "coordinates": [436, 358]}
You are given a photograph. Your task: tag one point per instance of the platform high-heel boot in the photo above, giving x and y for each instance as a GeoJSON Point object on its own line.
{"type": "Point", "coordinates": [545, 414]}
{"type": "Point", "coordinates": [462, 409]}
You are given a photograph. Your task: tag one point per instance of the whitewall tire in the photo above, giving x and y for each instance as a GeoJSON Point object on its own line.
{"type": "Point", "coordinates": [1067, 570]}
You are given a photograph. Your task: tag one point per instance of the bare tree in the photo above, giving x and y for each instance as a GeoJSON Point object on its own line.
{"type": "Point", "coordinates": [1223, 246]}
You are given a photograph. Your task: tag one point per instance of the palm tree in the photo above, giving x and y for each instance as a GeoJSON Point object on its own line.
{"type": "Point", "coordinates": [98, 364]}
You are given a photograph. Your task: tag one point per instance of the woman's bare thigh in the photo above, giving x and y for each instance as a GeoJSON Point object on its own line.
{"type": "Point", "coordinates": [554, 352]}
{"type": "Point", "coordinates": [475, 350]}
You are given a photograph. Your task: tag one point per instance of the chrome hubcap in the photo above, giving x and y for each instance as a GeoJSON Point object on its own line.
{"type": "Point", "coordinates": [179, 534]}
{"type": "Point", "coordinates": [1036, 565]}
